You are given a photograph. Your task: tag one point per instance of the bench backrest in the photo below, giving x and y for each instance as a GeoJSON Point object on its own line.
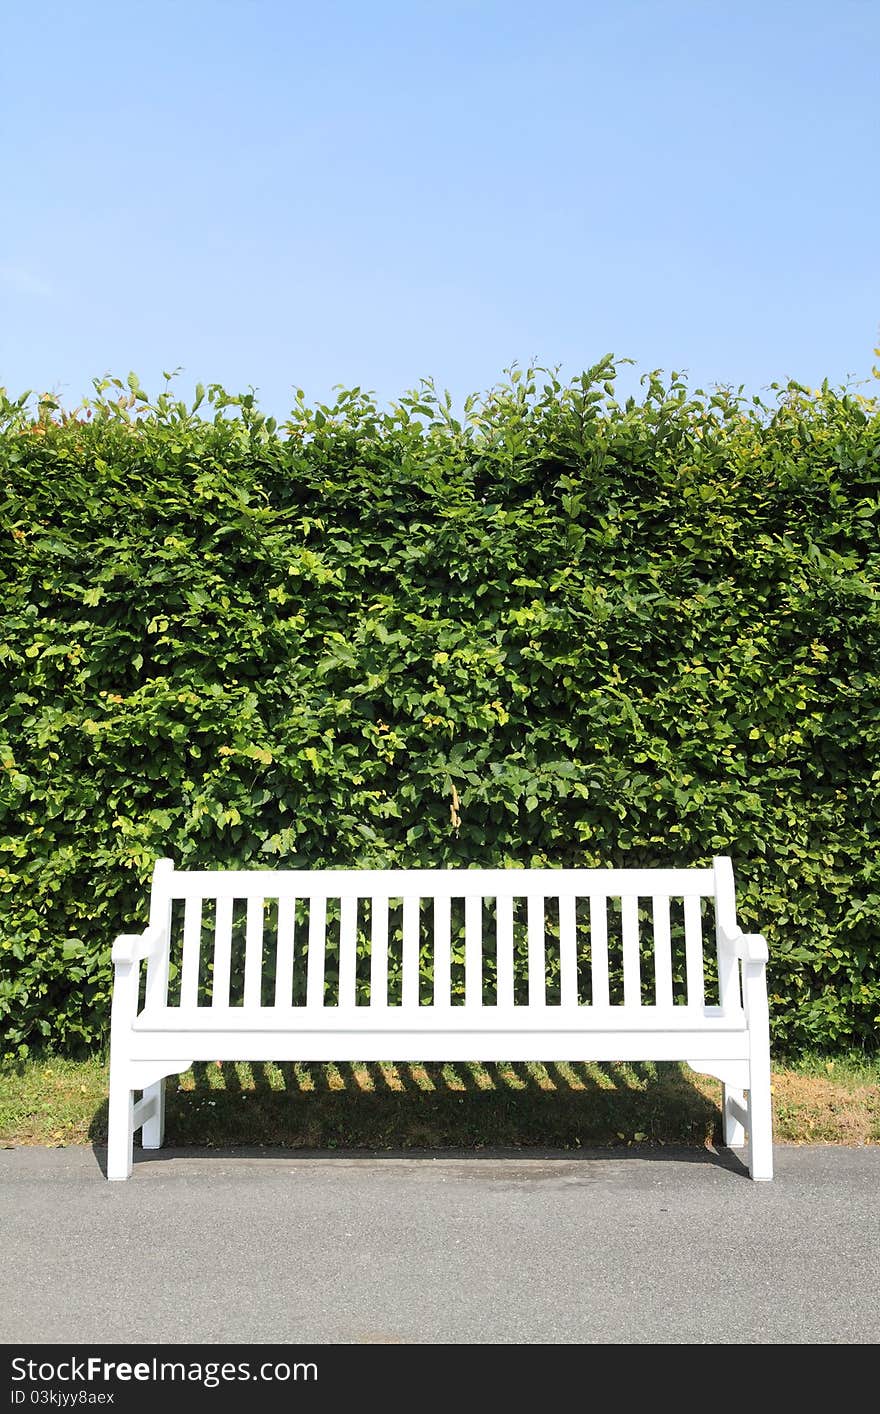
{"type": "Point", "coordinates": [443, 937]}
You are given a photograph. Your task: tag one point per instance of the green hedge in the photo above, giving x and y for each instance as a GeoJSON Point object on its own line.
{"type": "Point", "coordinates": [556, 628]}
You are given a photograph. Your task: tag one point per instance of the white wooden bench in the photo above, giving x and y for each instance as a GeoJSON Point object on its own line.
{"type": "Point", "coordinates": [440, 965]}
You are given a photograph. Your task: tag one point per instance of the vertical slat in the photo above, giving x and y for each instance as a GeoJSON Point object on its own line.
{"type": "Point", "coordinates": [599, 949]}
{"type": "Point", "coordinates": [189, 967]}
{"type": "Point", "coordinates": [160, 917]}
{"type": "Point", "coordinates": [632, 978]}
{"type": "Point", "coordinates": [442, 951]}
{"type": "Point", "coordinates": [222, 952]}
{"type": "Point", "coordinates": [537, 962]}
{"type": "Point", "coordinates": [504, 944]}
{"type": "Point", "coordinates": [347, 951]}
{"type": "Point", "coordinates": [729, 994]}
{"type": "Point", "coordinates": [253, 952]}
{"type": "Point", "coordinates": [693, 946]}
{"type": "Point", "coordinates": [284, 953]}
{"type": "Point", "coordinates": [568, 951]}
{"type": "Point", "coordinates": [662, 951]}
{"type": "Point", "coordinates": [378, 950]}
{"type": "Point", "coordinates": [729, 991]}
{"type": "Point", "coordinates": [410, 989]}
{"type": "Point", "coordinates": [473, 950]}
{"type": "Point", "coordinates": [317, 943]}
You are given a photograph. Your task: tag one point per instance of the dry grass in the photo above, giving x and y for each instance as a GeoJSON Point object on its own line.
{"type": "Point", "coordinates": [817, 1109]}
{"type": "Point", "coordinates": [394, 1106]}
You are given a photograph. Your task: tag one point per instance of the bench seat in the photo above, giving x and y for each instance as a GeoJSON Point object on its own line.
{"type": "Point", "coordinates": [299, 1021]}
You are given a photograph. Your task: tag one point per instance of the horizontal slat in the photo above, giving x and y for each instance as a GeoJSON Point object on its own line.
{"type": "Point", "coordinates": [586, 1020]}
{"type": "Point", "coordinates": [418, 1045]}
{"type": "Point", "coordinates": [434, 883]}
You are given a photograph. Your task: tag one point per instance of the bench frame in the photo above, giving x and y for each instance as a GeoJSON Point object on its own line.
{"type": "Point", "coordinates": [729, 1041]}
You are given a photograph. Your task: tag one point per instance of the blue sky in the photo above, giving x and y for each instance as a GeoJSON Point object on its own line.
{"type": "Point", "coordinates": [285, 194]}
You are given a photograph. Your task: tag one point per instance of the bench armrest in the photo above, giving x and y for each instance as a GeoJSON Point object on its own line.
{"type": "Point", "coordinates": [750, 947]}
{"type": "Point", "coordinates": [132, 947]}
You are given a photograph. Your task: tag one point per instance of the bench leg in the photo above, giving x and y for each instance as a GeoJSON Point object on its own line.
{"type": "Point", "coordinates": [120, 1126]}
{"type": "Point", "coordinates": [760, 1120]}
{"type": "Point", "coordinates": [734, 1133]}
{"type": "Point", "coordinates": [153, 1132]}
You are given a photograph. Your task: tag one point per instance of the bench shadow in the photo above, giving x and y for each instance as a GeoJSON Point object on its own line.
{"type": "Point", "coordinates": [572, 1110]}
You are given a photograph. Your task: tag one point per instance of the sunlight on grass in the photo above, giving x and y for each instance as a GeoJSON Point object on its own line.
{"type": "Point", "coordinates": [538, 1071]}
{"type": "Point", "coordinates": [385, 1105]}
{"type": "Point", "coordinates": [452, 1078]}
{"type": "Point", "coordinates": [363, 1079]}
{"type": "Point", "coordinates": [421, 1077]}
{"type": "Point", "coordinates": [509, 1078]}
{"type": "Point", "coordinates": [388, 1071]}
{"type": "Point", "coordinates": [566, 1072]}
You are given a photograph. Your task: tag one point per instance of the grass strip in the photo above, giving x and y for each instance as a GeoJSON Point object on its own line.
{"type": "Point", "coordinates": [432, 1106]}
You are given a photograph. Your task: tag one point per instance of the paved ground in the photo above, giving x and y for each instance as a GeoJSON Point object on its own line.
{"type": "Point", "coordinates": [673, 1247]}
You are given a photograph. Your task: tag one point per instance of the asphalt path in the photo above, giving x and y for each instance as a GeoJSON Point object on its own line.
{"type": "Point", "coordinates": [641, 1246]}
